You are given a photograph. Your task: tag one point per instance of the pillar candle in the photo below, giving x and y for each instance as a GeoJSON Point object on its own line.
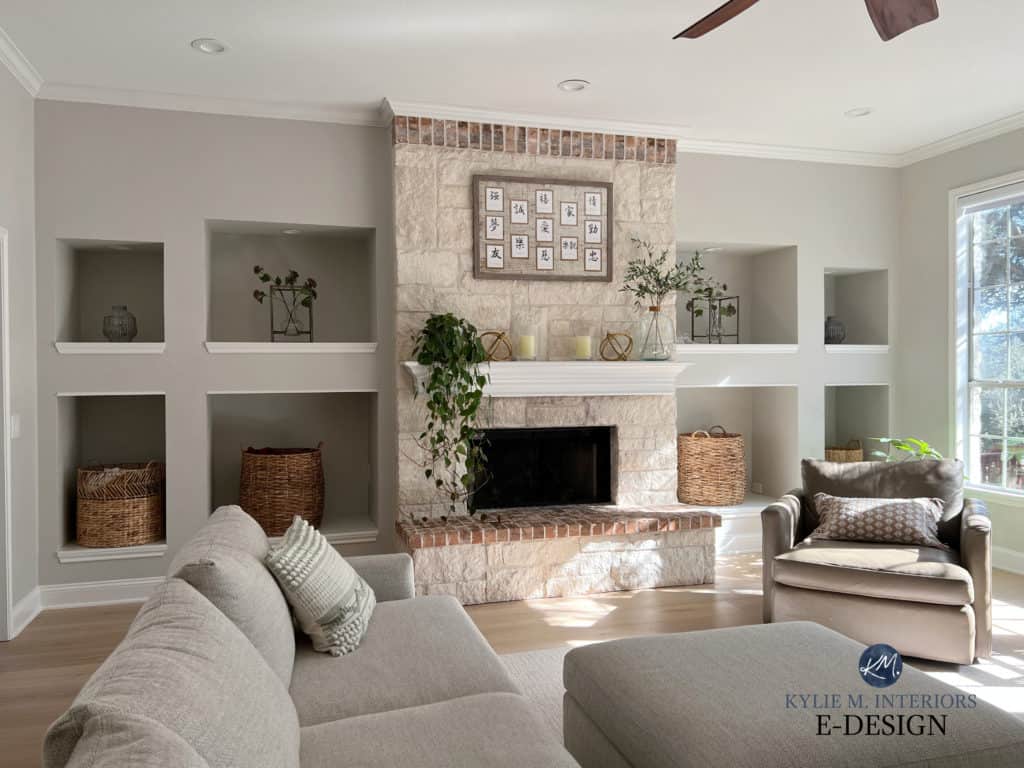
{"type": "Point", "coordinates": [527, 347]}
{"type": "Point", "coordinates": [583, 349]}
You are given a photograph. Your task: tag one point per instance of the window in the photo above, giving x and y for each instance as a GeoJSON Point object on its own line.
{"type": "Point", "coordinates": [990, 239]}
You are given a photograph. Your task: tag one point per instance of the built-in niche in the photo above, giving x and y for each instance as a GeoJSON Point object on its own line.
{"type": "Point", "coordinates": [340, 259]}
{"type": "Point", "coordinates": [859, 299]}
{"type": "Point", "coordinates": [344, 422]}
{"type": "Point", "coordinates": [105, 429]}
{"type": "Point", "coordinates": [93, 276]}
{"type": "Point", "coordinates": [764, 277]}
{"type": "Point", "coordinates": [856, 413]}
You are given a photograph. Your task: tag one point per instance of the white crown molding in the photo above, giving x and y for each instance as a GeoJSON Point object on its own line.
{"type": "Point", "coordinates": [963, 139]}
{"type": "Point", "coordinates": [25, 610]}
{"type": "Point", "coordinates": [110, 592]}
{"type": "Point", "coordinates": [777, 152]}
{"type": "Point", "coordinates": [19, 66]}
{"type": "Point", "coordinates": [85, 94]}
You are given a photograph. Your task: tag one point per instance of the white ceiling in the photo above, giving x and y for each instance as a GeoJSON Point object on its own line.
{"type": "Point", "coordinates": [781, 74]}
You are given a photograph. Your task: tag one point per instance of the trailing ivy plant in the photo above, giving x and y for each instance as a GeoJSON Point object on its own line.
{"type": "Point", "coordinates": [906, 449]}
{"type": "Point", "coordinates": [450, 349]}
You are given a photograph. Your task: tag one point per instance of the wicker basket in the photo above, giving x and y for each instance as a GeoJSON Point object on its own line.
{"type": "Point", "coordinates": [852, 452]}
{"type": "Point", "coordinates": [712, 469]}
{"type": "Point", "coordinates": [279, 483]}
{"type": "Point", "coordinates": [120, 505]}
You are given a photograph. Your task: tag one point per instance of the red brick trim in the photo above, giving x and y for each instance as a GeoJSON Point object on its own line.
{"type": "Point", "coordinates": [552, 523]}
{"type": "Point", "coordinates": [530, 140]}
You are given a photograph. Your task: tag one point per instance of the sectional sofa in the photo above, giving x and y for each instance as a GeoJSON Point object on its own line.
{"type": "Point", "coordinates": [212, 673]}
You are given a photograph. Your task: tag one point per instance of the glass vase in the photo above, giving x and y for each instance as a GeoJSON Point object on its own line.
{"type": "Point", "coordinates": [657, 335]}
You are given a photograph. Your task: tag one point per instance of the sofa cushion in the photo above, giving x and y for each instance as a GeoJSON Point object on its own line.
{"type": "Point", "coordinates": [332, 602]}
{"type": "Point", "coordinates": [186, 666]}
{"type": "Point", "coordinates": [491, 729]}
{"type": "Point", "coordinates": [881, 521]}
{"type": "Point", "coordinates": [224, 562]}
{"type": "Point", "coordinates": [115, 739]}
{"type": "Point", "coordinates": [934, 478]}
{"type": "Point", "coordinates": [415, 652]}
{"type": "Point", "coordinates": [890, 571]}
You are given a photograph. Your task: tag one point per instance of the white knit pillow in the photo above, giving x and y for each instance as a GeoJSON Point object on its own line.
{"type": "Point", "coordinates": [331, 601]}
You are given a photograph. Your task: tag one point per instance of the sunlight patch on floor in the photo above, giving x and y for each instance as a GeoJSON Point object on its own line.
{"type": "Point", "coordinates": [577, 613]}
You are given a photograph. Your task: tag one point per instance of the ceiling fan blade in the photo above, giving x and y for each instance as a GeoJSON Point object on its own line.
{"type": "Point", "coordinates": [894, 17]}
{"type": "Point", "coordinates": [716, 18]}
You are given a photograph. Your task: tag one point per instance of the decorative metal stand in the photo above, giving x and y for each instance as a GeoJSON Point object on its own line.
{"type": "Point", "coordinates": [286, 320]}
{"type": "Point", "coordinates": [716, 310]}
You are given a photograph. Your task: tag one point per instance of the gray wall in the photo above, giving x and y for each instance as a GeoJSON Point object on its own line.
{"type": "Point", "coordinates": [857, 413]}
{"type": "Point", "coordinates": [164, 176]}
{"type": "Point", "coordinates": [17, 216]}
{"type": "Point", "coordinates": [923, 405]}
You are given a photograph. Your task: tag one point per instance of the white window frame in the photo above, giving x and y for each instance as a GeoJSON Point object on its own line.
{"type": "Point", "coordinates": [959, 334]}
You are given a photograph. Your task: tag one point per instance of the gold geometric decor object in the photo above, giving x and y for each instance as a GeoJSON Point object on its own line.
{"type": "Point", "coordinates": [497, 346]}
{"type": "Point", "coordinates": [616, 346]}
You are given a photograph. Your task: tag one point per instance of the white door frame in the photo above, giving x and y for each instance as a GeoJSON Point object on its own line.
{"type": "Point", "coordinates": [6, 547]}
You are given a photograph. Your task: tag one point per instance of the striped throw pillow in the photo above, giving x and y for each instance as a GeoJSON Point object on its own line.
{"type": "Point", "coordinates": [332, 602]}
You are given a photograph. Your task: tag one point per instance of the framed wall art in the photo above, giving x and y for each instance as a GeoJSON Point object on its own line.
{"type": "Point", "coordinates": [542, 229]}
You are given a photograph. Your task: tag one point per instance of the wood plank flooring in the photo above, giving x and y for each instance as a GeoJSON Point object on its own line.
{"type": "Point", "coordinates": [43, 669]}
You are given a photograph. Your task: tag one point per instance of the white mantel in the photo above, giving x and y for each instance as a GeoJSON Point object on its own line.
{"type": "Point", "coordinates": [557, 378]}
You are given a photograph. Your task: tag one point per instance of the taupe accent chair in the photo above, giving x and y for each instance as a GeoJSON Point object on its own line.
{"type": "Point", "coordinates": [926, 602]}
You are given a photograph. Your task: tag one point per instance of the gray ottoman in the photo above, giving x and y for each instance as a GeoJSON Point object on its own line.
{"type": "Point", "coordinates": [787, 694]}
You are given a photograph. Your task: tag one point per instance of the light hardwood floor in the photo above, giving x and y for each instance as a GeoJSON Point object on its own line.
{"type": "Point", "coordinates": [41, 670]}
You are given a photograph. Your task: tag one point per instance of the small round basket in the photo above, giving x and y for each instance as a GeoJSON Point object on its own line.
{"type": "Point", "coordinates": [712, 468]}
{"type": "Point", "coordinates": [120, 505]}
{"type": "Point", "coordinates": [279, 483]}
{"type": "Point", "coordinates": [853, 451]}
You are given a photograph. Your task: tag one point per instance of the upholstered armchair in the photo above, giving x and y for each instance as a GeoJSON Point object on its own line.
{"type": "Point", "coordinates": [924, 601]}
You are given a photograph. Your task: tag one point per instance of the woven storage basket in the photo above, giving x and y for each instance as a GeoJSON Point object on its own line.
{"type": "Point", "coordinates": [279, 483]}
{"type": "Point", "coordinates": [120, 505]}
{"type": "Point", "coordinates": [712, 469]}
{"type": "Point", "coordinates": [852, 452]}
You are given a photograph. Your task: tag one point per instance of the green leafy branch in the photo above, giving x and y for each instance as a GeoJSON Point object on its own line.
{"type": "Point", "coordinates": [906, 449]}
{"type": "Point", "coordinates": [702, 286]}
{"type": "Point", "coordinates": [304, 294]}
{"type": "Point", "coordinates": [651, 278]}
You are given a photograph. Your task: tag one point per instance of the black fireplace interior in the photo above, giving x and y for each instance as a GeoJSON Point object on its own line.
{"type": "Point", "coordinates": [546, 467]}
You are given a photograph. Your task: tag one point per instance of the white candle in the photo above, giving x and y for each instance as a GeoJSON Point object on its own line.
{"type": "Point", "coordinates": [583, 348]}
{"type": "Point", "coordinates": [527, 347]}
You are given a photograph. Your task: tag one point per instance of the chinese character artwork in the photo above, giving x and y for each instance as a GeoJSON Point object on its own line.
{"type": "Point", "coordinates": [545, 257]}
{"type": "Point", "coordinates": [545, 201]}
{"type": "Point", "coordinates": [494, 228]}
{"type": "Point", "coordinates": [520, 247]}
{"type": "Point", "coordinates": [545, 230]}
{"type": "Point", "coordinates": [592, 260]}
{"type": "Point", "coordinates": [495, 256]}
{"type": "Point", "coordinates": [495, 199]}
{"type": "Point", "coordinates": [592, 231]}
{"type": "Point", "coordinates": [568, 215]}
{"type": "Point", "coordinates": [570, 249]}
{"type": "Point", "coordinates": [592, 204]}
{"type": "Point", "coordinates": [519, 212]}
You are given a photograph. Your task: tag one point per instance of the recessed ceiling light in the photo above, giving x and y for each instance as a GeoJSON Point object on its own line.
{"type": "Point", "coordinates": [859, 112]}
{"type": "Point", "coordinates": [290, 231]}
{"type": "Point", "coordinates": [573, 84]}
{"type": "Point", "coordinates": [209, 46]}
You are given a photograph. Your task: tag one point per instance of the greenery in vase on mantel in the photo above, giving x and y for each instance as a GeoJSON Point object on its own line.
{"type": "Point", "coordinates": [650, 279]}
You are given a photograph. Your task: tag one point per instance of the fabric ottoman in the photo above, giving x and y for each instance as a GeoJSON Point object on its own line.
{"type": "Point", "coordinates": [788, 694]}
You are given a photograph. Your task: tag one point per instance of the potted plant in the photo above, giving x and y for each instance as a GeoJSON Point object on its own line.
{"type": "Point", "coordinates": [650, 279]}
{"type": "Point", "coordinates": [453, 455]}
{"type": "Point", "coordinates": [289, 296]}
{"type": "Point", "coordinates": [704, 290]}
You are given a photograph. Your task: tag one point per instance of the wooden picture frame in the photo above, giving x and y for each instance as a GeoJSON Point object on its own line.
{"type": "Point", "coordinates": [545, 231]}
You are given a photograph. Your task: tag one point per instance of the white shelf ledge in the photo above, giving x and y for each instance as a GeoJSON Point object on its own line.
{"type": "Point", "coordinates": [110, 348]}
{"type": "Point", "coordinates": [736, 349]}
{"type": "Point", "coordinates": [857, 349]}
{"type": "Point", "coordinates": [296, 348]}
{"type": "Point", "coordinates": [354, 536]}
{"type": "Point", "coordinates": [75, 553]}
{"type": "Point", "coordinates": [568, 378]}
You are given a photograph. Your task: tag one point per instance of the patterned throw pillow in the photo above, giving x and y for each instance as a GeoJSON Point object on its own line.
{"type": "Point", "coordinates": [883, 521]}
{"type": "Point", "coordinates": [331, 601]}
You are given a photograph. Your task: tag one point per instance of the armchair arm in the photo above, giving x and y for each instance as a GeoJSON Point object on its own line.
{"type": "Point", "coordinates": [779, 523]}
{"type": "Point", "coordinates": [390, 576]}
{"type": "Point", "coordinates": [976, 557]}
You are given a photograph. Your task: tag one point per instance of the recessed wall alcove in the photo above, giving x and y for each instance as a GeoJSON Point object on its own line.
{"type": "Point", "coordinates": [860, 299]}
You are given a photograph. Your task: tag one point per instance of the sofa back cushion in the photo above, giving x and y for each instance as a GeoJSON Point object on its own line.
{"type": "Point", "coordinates": [224, 561]}
{"type": "Point", "coordinates": [186, 667]}
{"type": "Point", "coordinates": [934, 478]}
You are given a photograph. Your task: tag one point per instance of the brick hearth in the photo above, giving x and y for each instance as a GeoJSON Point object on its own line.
{"type": "Point", "coordinates": [519, 554]}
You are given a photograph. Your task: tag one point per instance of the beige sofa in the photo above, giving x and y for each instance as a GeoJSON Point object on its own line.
{"type": "Point", "coordinates": [211, 674]}
{"type": "Point", "coordinates": [924, 601]}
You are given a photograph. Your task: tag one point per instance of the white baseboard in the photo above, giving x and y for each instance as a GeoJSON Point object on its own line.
{"type": "Point", "coordinates": [24, 611]}
{"type": "Point", "coordinates": [1006, 559]}
{"type": "Point", "coordinates": [88, 593]}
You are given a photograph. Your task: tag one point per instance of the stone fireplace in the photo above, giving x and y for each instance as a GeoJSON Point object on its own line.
{"type": "Point", "coordinates": [645, 538]}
